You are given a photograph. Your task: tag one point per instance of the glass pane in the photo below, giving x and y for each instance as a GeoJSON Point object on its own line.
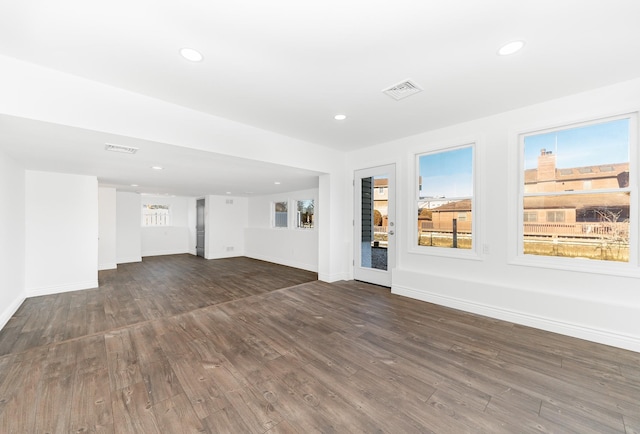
{"type": "Point", "coordinates": [305, 213]}
{"type": "Point", "coordinates": [443, 223]}
{"type": "Point", "coordinates": [374, 219]}
{"type": "Point", "coordinates": [280, 217]}
{"type": "Point", "coordinates": [444, 206]}
{"type": "Point", "coordinates": [591, 157]}
{"type": "Point", "coordinates": [590, 226]}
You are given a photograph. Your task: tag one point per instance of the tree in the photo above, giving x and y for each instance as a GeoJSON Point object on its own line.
{"type": "Point", "coordinates": [377, 218]}
{"type": "Point", "coordinates": [614, 233]}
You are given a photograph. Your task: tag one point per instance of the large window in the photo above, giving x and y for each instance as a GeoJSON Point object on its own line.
{"type": "Point", "coordinates": [576, 182]}
{"type": "Point", "coordinates": [156, 215]}
{"type": "Point", "coordinates": [446, 198]}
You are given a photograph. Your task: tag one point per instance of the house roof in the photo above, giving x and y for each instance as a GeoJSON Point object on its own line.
{"type": "Point", "coordinates": [578, 201]}
{"type": "Point", "coordinates": [580, 173]}
{"type": "Point", "coordinates": [459, 205]}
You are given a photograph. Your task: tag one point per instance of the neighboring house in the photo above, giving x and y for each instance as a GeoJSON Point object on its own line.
{"type": "Point", "coordinates": [442, 217]}
{"type": "Point", "coordinates": [580, 215]}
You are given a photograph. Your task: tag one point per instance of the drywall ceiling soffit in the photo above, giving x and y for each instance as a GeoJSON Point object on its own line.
{"type": "Point", "coordinates": [290, 66]}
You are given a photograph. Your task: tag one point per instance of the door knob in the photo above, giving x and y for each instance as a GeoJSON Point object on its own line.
{"type": "Point", "coordinates": [391, 232]}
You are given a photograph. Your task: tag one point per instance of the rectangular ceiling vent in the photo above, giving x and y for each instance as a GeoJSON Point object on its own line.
{"type": "Point", "coordinates": [119, 148]}
{"type": "Point", "coordinates": [402, 90]}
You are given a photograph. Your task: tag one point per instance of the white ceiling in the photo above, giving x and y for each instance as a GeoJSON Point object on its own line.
{"type": "Point", "coordinates": [289, 66]}
{"type": "Point", "coordinates": [186, 171]}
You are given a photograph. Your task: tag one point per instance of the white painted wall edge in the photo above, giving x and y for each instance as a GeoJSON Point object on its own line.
{"type": "Point", "coordinates": [10, 311]}
{"type": "Point", "coordinates": [108, 266]}
{"type": "Point", "coordinates": [288, 263]}
{"type": "Point", "coordinates": [57, 289]}
{"type": "Point", "coordinates": [578, 331]}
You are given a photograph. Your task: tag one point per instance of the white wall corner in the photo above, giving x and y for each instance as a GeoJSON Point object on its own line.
{"type": "Point", "coordinates": [10, 310]}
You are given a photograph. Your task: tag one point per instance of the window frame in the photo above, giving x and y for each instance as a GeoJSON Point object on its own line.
{"type": "Point", "coordinates": [474, 253]}
{"type": "Point", "coordinates": [273, 214]}
{"type": "Point", "coordinates": [516, 214]}
{"type": "Point", "coordinates": [169, 215]}
{"type": "Point", "coordinates": [295, 217]}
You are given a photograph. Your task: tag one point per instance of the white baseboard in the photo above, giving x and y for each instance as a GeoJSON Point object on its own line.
{"type": "Point", "coordinates": [108, 266]}
{"type": "Point", "coordinates": [129, 259]}
{"type": "Point", "coordinates": [164, 252]}
{"type": "Point", "coordinates": [606, 337]}
{"type": "Point", "coordinates": [286, 262]}
{"type": "Point", "coordinates": [57, 289]}
{"type": "Point", "coordinates": [6, 315]}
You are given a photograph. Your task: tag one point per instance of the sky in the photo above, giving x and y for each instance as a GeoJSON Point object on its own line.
{"type": "Point", "coordinates": [448, 173]}
{"type": "Point", "coordinates": [591, 145]}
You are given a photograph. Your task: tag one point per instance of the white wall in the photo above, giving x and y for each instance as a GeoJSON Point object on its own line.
{"type": "Point", "coordinates": [167, 240]}
{"type": "Point", "coordinates": [225, 221]}
{"type": "Point", "coordinates": [12, 237]}
{"type": "Point", "coordinates": [191, 224]}
{"type": "Point", "coordinates": [39, 93]}
{"type": "Point", "coordinates": [128, 233]}
{"type": "Point", "coordinates": [61, 224]}
{"type": "Point", "coordinates": [291, 246]}
{"type": "Point", "coordinates": [599, 307]}
{"type": "Point", "coordinates": [106, 228]}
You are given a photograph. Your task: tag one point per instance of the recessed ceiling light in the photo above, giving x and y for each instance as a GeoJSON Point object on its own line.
{"type": "Point", "coordinates": [277, 183]}
{"type": "Point", "coordinates": [340, 117]}
{"type": "Point", "coordinates": [191, 54]}
{"type": "Point", "coordinates": [157, 167]}
{"type": "Point", "coordinates": [511, 48]}
{"type": "Point", "coordinates": [228, 192]}
{"type": "Point", "coordinates": [135, 185]}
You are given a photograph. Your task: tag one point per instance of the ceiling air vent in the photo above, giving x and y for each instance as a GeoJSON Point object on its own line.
{"type": "Point", "coordinates": [402, 90]}
{"type": "Point", "coordinates": [119, 148]}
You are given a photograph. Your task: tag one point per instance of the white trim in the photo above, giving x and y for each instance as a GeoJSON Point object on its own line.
{"type": "Point", "coordinates": [10, 310]}
{"type": "Point", "coordinates": [165, 252]}
{"type": "Point", "coordinates": [627, 342]}
{"type": "Point", "coordinates": [516, 195]}
{"type": "Point", "coordinates": [129, 259]}
{"type": "Point", "coordinates": [57, 289]}
{"type": "Point", "coordinates": [107, 266]}
{"type": "Point", "coordinates": [330, 278]}
{"type": "Point", "coordinates": [477, 160]}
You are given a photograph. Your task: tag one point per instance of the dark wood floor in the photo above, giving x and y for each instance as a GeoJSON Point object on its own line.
{"type": "Point", "coordinates": [179, 344]}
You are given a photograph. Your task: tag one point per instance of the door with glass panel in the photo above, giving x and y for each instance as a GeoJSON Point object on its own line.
{"type": "Point", "coordinates": [374, 225]}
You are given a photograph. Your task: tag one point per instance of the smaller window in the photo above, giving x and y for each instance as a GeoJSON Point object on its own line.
{"type": "Point", "coordinates": [305, 213]}
{"type": "Point", "coordinates": [156, 215]}
{"type": "Point", "coordinates": [280, 215]}
{"type": "Point", "coordinates": [555, 216]}
{"type": "Point", "coordinates": [530, 216]}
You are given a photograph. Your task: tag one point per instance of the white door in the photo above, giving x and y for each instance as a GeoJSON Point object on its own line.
{"type": "Point", "coordinates": [374, 224]}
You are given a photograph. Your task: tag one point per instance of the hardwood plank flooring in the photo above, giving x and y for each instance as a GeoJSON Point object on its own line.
{"type": "Point", "coordinates": [180, 344]}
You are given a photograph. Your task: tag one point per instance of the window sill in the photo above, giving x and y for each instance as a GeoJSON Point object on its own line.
{"type": "Point", "coordinates": [578, 265]}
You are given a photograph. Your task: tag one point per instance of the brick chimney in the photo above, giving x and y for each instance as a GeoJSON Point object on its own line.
{"type": "Point", "coordinates": [546, 166]}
